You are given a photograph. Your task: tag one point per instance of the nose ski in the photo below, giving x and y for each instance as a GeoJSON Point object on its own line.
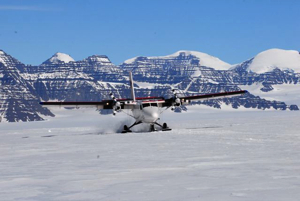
{"type": "Point", "coordinates": [163, 127]}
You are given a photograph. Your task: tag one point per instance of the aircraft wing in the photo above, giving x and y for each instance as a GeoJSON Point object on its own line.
{"type": "Point", "coordinates": [106, 104]}
{"type": "Point", "coordinates": [188, 99]}
{"type": "Point", "coordinates": [129, 104]}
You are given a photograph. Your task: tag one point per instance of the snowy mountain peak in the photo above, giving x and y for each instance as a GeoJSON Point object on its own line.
{"type": "Point", "coordinates": [99, 58]}
{"type": "Point", "coordinates": [60, 57]}
{"type": "Point", "coordinates": [205, 59]}
{"type": "Point", "coordinates": [271, 59]}
{"type": "Point", "coordinates": [130, 61]}
{"type": "Point", "coordinates": [6, 59]}
{"type": "Point", "coordinates": [2, 54]}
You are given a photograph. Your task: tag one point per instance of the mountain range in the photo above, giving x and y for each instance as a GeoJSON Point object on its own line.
{"type": "Point", "coordinates": [272, 78]}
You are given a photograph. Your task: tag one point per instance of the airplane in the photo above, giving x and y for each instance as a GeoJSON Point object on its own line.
{"type": "Point", "coordinates": [144, 109]}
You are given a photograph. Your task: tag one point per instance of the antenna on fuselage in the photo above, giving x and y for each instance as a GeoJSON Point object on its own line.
{"type": "Point", "coordinates": [131, 87]}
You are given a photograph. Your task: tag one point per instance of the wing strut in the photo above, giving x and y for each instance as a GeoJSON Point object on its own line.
{"type": "Point", "coordinates": [131, 87]}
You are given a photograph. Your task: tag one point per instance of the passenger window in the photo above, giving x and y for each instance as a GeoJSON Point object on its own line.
{"type": "Point", "coordinates": [154, 104]}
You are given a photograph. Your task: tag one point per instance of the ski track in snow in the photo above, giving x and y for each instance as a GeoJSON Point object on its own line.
{"type": "Point", "coordinates": [209, 155]}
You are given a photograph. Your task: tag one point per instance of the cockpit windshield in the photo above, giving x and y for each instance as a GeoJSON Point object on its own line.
{"type": "Point", "coordinates": [150, 104]}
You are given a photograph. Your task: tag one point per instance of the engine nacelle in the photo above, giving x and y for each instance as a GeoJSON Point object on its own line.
{"type": "Point", "coordinates": [116, 104]}
{"type": "Point", "coordinates": [117, 107]}
{"type": "Point", "coordinates": [177, 102]}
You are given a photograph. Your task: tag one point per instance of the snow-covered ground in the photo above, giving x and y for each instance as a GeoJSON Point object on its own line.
{"type": "Point", "coordinates": [209, 155]}
{"type": "Point", "coordinates": [288, 93]}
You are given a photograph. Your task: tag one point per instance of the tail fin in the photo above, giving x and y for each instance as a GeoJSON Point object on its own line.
{"type": "Point", "coordinates": [131, 87]}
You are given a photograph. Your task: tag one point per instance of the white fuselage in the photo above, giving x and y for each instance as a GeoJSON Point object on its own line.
{"type": "Point", "coordinates": [146, 112]}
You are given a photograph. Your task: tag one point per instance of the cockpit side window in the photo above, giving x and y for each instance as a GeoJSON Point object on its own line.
{"type": "Point", "coordinates": [146, 104]}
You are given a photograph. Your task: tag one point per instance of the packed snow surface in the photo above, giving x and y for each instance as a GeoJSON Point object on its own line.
{"type": "Point", "coordinates": [276, 58]}
{"type": "Point", "coordinates": [209, 155]}
{"type": "Point", "coordinates": [205, 59]}
{"type": "Point", "coordinates": [61, 57]}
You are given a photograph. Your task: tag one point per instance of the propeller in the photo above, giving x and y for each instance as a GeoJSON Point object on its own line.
{"type": "Point", "coordinates": [176, 100]}
{"type": "Point", "coordinates": [116, 104]}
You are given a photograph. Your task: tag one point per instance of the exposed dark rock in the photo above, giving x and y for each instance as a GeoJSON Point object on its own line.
{"type": "Point", "coordinates": [92, 79]}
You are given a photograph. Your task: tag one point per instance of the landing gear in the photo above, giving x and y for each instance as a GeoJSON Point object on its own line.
{"type": "Point", "coordinates": [164, 127]}
{"type": "Point", "coordinates": [127, 129]}
{"type": "Point", "coordinates": [152, 129]}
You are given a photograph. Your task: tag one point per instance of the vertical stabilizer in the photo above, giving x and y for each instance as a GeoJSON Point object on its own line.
{"type": "Point", "coordinates": [131, 87]}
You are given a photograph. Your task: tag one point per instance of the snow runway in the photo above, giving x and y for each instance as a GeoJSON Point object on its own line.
{"type": "Point", "coordinates": [209, 155]}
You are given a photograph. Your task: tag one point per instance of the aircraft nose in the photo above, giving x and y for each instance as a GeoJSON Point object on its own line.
{"type": "Point", "coordinates": [151, 115]}
{"type": "Point", "coordinates": [155, 115]}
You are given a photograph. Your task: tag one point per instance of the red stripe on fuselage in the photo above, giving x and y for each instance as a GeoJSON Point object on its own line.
{"type": "Point", "coordinates": [152, 101]}
{"type": "Point", "coordinates": [141, 98]}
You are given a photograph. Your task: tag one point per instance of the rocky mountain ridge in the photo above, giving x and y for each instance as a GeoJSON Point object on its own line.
{"type": "Point", "coordinates": [62, 78]}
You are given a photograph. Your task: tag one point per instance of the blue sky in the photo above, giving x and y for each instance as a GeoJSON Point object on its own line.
{"type": "Point", "coordinates": [232, 30]}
